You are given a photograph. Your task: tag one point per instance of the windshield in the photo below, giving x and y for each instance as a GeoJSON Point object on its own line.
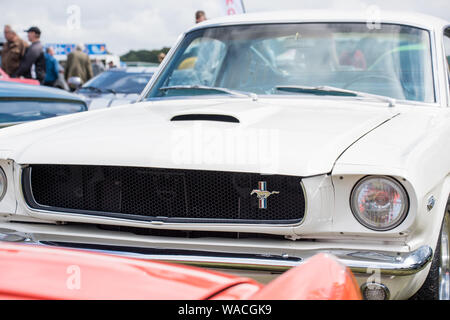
{"type": "Point", "coordinates": [27, 110]}
{"type": "Point", "coordinates": [119, 82]}
{"type": "Point", "coordinates": [392, 60]}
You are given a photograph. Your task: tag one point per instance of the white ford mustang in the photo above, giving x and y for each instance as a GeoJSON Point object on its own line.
{"type": "Point", "coordinates": [262, 140]}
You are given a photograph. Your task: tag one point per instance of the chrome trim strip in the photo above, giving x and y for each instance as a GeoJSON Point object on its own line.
{"type": "Point", "coordinates": [447, 72]}
{"type": "Point", "coordinates": [362, 262]}
{"type": "Point", "coordinates": [435, 67]}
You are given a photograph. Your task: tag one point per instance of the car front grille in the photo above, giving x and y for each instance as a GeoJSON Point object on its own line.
{"type": "Point", "coordinates": [169, 195]}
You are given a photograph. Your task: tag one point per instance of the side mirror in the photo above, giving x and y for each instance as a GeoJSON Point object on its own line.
{"type": "Point", "coordinates": [74, 83]}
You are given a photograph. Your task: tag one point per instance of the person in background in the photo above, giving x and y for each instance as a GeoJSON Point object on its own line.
{"type": "Point", "coordinates": [51, 68]}
{"type": "Point", "coordinates": [98, 67]}
{"type": "Point", "coordinates": [161, 57]}
{"type": "Point", "coordinates": [13, 51]}
{"type": "Point", "coordinates": [200, 16]}
{"type": "Point", "coordinates": [78, 65]}
{"type": "Point", "coordinates": [32, 65]}
{"type": "Point", "coordinates": [111, 65]}
{"type": "Point", "coordinates": [61, 82]}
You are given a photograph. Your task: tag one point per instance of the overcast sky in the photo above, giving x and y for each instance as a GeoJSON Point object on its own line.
{"type": "Point", "coordinates": [151, 24]}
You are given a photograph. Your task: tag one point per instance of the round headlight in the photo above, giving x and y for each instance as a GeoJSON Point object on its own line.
{"type": "Point", "coordinates": [3, 184]}
{"type": "Point", "coordinates": [379, 203]}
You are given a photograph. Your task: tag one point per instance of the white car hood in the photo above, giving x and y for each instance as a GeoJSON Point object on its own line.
{"type": "Point", "coordinates": [301, 137]}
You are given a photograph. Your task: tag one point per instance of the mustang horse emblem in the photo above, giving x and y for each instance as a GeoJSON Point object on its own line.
{"type": "Point", "coordinates": [263, 194]}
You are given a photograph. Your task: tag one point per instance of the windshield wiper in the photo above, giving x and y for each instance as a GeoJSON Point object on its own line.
{"type": "Point", "coordinates": [333, 91]}
{"type": "Point", "coordinates": [110, 90]}
{"type": "Point", "coordinates": [216, 89]}
{"type": "Point", "coordinates": [99, 90]}
{"type": "Point", "coordinates": [90, 89]}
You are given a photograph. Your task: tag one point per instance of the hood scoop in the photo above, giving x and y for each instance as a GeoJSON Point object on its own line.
{"type": "Point", "coordinates": [205, 117]}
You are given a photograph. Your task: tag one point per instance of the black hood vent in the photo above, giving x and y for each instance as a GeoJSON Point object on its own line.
{"type": "Point", "coordinates": [205, 117]}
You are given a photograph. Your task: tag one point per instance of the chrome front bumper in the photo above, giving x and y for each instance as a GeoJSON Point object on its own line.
{"type": "Point", "coordinates": [177, 251]}
{"type": "Point", "coordinates": [358, 261]}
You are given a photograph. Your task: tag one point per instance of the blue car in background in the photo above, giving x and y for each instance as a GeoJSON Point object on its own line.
{"type": "Point", "coordinates": [117, 86]}
{"type": "Point", "coordinates": [21, 103]}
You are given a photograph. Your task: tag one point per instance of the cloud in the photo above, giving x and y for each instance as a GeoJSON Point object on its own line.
{"type": "Point", "coordinates": [150, 24]}
{"type": "Point", "coordinates": [121, 25]}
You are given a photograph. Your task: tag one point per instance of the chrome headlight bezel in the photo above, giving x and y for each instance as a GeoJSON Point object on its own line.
{"type": "Point", "coordinates": [374, 225]}
{"type": "Point", "coordinates": [3, 183]}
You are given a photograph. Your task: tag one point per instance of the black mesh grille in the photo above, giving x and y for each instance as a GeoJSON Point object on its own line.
{"type": "Point", "coordinates": [159, 194]}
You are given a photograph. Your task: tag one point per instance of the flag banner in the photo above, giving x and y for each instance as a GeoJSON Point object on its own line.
{"type": "Point", "coordinates": [231, 7]}
{"type": "Point", "coordinates": [66, 48]}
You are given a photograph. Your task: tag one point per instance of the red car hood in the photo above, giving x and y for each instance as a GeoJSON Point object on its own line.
{"type": "Point", "coordinates": [37, 272]}
{"type": "Point", "coordinates": [33, 272]}
{"type": "Point", "coordinates": [5, 77]}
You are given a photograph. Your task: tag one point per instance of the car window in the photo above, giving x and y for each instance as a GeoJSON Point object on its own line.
{"type": "Point", "coordinates": [393, 60]}
{"type": "Point", "coordinates": [120, 82]}
{"type": "Point", "coordinates": [12, 111]}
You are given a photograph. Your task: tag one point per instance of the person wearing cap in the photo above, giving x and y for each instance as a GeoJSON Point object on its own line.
{"type": "Point", "coordinates": [13, 51]}
{"type": "Point", "coordinates": [33, 63]}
